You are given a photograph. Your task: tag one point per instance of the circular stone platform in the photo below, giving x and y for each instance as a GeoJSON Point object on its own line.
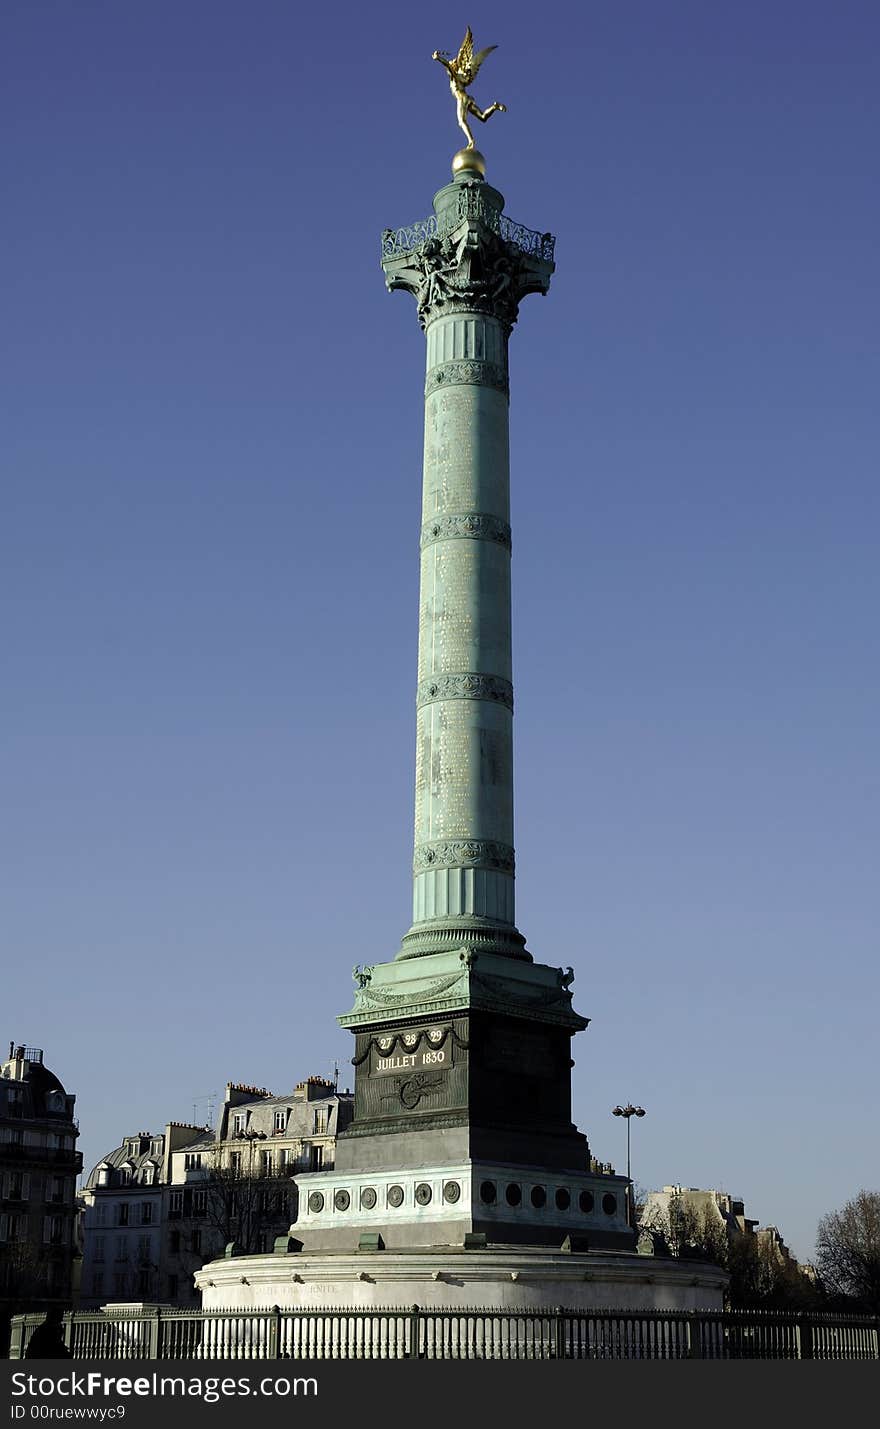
{"type": "Point", "coordinates": [452, 1278]}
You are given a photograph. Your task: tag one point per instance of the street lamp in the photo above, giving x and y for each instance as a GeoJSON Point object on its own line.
{"type": "Point", "coordinates": [628, 1111]}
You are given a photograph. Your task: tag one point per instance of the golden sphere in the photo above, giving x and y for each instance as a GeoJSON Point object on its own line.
{"type": "Point", "coordinates": [469, 161]}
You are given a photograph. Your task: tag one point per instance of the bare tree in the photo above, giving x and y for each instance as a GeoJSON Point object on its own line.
{"type": "Point", "coordinates": [24, 1271]}
{"type": "Point", "coordinates": [689, 1231]}
{"type": "Point", "coordinates": [760, 1275]}
{"type": "Point", "coordinates": [243, 1201]}
{"type": "Point", "coordinates": [246, 1207]}
{"type": "Point", "coordinates": [848, 1250]}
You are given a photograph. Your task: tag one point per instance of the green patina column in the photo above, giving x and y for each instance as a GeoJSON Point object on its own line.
{"type": "Point", "coordinates": [468, 268]}
{"type": "Point", "coordinates": [462, 1050]}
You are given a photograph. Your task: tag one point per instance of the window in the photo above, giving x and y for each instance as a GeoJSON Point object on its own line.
{"type": "Point", "coordinates": [121, 1248]}
{"type": "Point", "coordinates": [57, 1188]}
{"type": "Point", "coordinates": [322, 1116]}
{"type": "Point", "coordinates": [267, 1163]}
{"type": "Point", "coordinates": [173, 1284]}
{"type": "Point", "coordinates": [18, 1186]}
{"type": "Point", "coordinates": [143, 1281]}
{"type": "Point", "coordinates": [174, 1242]}
{"type": "Point", "coordinates": [239, 1122]}
{"type": "Point", "coordinates": [175, 1203]}
{"type": "Point", "coordinates": [316, 1158]}
{"type": "Point", "coordinates": [119, 1284]}
{"type": "Point", "coordinates": [149, 1175]}
{"type": "Point", "coordinates": [101, 1213]}
{"type": "Point", "coordinates": [122, 1213]}
{"type": "Point", "coordinates": [143, 1249]}
{"type": "Point", "coordinates": [123, 1175]}
{"type": "Point", "coordinates": [146, 1213]}
{"type": "Point", "coordinates": [99, 1249]}
{"type": "Point", "coordinates": [280, 1119]}
{"type": "Point", "coordinates": [192, 1161]}
{"type": "Point", "coordinates": [195, 1242]}
{"type": "Point", "coordinates": [98, 1282]}
{"type": "Point", "coordinates": [235, 1161]}
{"type": "Point", "coordinates": [156, 1148]}
{"type": "Point", "coordinates": [199, 1203]}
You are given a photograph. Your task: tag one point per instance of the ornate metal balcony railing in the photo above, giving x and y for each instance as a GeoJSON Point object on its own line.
{"type": "Point", "coordinates": [400, 242]}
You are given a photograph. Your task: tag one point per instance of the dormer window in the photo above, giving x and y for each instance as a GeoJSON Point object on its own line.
{"type": "Point", "coordinates": [239, 1123]}
{"type": "Point", "coordinates": [281, 1119]}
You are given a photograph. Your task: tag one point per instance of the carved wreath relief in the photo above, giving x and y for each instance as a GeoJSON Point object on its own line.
{"type": "Point", "coordinates": [464, 853]}
{"type": "Point", "coordinates": [467, 686]}
{"type": "Point", "coordinates": [466, 525]}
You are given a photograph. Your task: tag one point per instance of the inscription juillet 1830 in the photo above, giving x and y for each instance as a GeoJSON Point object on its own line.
{"type": "Point", "coordinates": [408, 1051]}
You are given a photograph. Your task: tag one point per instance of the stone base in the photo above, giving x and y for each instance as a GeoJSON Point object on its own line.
{"type": "Point", "coordinates": [429, 1207]}
{"type": "Point", "coordinates": [452, 1278]}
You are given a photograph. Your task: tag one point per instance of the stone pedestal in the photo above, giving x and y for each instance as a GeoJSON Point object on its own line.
{"type": "Point", "coordinates": [503, 1278]}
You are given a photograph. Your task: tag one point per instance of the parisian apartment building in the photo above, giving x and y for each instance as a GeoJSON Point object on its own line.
{"type": "Point", "coordinates": [160, 1205]}
{"type": "Point", "coordinates": [718, 1209]}
{"type": "Point", "coordinates": [39, 1167]}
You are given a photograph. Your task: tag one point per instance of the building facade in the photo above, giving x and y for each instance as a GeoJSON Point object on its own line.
{"type": "Point", "coordinates": [159, 1205]}
{"type": "Point", "coordinates": [678, 1212]}
{"type": "Point", "coordinates": [122, 1223]}
{"type": "Point", "coordinates": [39, 1166]}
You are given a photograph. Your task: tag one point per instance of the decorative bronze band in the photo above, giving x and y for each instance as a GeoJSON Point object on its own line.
{"type": "Point", "coordinates": [467, 686]}
{"type": "Point", "coordinates": [464, 853]}
{"type": "Point", "coordinates": [468, 525]}
{"type": "Point", "coordinates": [469, 371]}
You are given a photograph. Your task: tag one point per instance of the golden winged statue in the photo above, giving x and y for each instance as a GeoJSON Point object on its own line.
{"type": "Point", "coordinates": [462, 72]}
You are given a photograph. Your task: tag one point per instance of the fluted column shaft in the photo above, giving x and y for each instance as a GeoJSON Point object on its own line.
{"type": "Point", "coordinates": [463, 857]}
{"type": "Point", "coordinates": [467, 284]}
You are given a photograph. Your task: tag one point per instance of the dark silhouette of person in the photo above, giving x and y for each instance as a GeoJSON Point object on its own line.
{"type": "Point", "coordinates": [47, 1341]}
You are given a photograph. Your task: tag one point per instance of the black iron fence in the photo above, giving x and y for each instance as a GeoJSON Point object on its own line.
{"type": "Point", "coordinates": [415, 1333]}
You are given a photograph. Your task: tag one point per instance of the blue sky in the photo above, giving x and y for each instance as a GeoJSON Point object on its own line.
{"type": "Point", "coordinates": [209, 513]}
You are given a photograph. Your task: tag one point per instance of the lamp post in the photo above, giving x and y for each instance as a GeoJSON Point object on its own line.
{"type": "Point", "coordinates": [628, 1111]}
